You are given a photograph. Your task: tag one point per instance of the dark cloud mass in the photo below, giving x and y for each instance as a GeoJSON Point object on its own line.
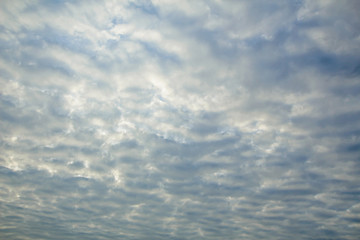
{"type": "Point", "coordinates": [180, 120]}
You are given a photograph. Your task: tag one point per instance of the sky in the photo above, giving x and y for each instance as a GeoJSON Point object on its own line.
{"type": "Point", "coordinates": [180, 119]}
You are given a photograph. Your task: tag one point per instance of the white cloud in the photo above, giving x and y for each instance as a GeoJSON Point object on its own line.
{"type": "Point", "coordinates": [156, 120]}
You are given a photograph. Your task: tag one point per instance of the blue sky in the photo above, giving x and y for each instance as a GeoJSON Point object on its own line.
{"type": "Point", "coordinates": [180, 119]}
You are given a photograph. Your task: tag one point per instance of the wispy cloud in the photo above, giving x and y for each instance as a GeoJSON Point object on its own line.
{"type": "Point", "coordinates": [187, 120]}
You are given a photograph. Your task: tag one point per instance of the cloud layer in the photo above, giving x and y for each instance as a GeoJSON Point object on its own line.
{"type": "Point", "coordinates": [187, 120]}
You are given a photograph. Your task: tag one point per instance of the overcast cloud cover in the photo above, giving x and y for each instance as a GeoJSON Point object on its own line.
{"type": "Point", "coordinates": [180, 119]}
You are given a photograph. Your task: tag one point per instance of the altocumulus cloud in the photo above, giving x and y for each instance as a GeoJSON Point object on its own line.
{"type": "Point", "coordinates": [179, 119]}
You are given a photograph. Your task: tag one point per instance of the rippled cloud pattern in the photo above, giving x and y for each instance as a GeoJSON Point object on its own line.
{"type": "Point", "coordinates": [180, 119]}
